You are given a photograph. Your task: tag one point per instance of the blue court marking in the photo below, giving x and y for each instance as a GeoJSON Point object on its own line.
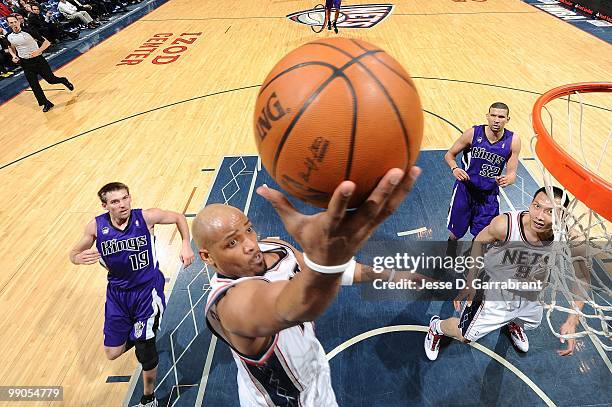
{"type": "Point", "coordinates": [118, 379]}
{"type": "Point", "coordinates": [183, 336]}
{"type": "Point", "coordinates": [384, 370]}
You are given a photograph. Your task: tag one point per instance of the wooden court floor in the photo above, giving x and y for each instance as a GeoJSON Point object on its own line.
{"type": "Point", "coordinates": [156, 126]}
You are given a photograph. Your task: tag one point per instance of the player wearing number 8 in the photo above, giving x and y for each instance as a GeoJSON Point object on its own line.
{"type": "Point", "coordinates": [135, 302]}
{"type": "Point", "coordinates": [486, 150]}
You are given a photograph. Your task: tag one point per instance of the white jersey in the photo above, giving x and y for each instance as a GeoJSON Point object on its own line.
{"type": "Point", "coordinates": [516, 260]}
{"type": "Point", "coordinates": [513, 261]}
{"type": "Point", "coordinates": [293, 370]}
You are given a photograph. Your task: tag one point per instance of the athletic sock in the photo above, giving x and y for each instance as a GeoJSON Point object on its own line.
{"type": "Point", "coordinates": [438, 327]}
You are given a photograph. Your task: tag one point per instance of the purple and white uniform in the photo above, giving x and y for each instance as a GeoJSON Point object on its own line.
{"type": "Point", "coordinates": [335, 4]}
{"type": "Point", "coordinates": [475, 203]}
{"type": "Point", "coordinates": [135, 298]}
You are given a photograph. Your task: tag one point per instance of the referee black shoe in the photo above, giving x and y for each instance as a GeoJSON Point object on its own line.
{"type": "Point", "coordinates": [69, 85]}
{"type": "Point", "coordinates": [47, 106]}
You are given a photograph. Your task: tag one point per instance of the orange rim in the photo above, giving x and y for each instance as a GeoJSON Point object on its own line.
{"type": "Point", "coordinates": [585, 185]}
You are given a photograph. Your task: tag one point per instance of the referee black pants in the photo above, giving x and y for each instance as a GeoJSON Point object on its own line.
{"type": "Point", "coordinates": [33, 67]}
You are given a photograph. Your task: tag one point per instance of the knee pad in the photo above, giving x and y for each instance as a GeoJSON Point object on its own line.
{"type": "Point", "coordinates": [146, 353]}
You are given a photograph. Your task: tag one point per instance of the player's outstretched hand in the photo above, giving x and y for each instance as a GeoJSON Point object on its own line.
{"type": "Point", "coordinates": [332, 237]}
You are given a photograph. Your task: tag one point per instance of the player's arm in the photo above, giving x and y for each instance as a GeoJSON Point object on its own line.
{"type": "Point", "coordinates": [578, 288]}
{"type": "Point", "coordinates": [512, 164]}
{"type": "Point", "coordinates": [361, 273]}
{"type": "Point", "coordinates": [258, 308]}
{"type": "Point", "coordinates": [450, 157]}
{"type": "Point", "coordinates": [496, 231]}
{"type": "Point", "coordinates": [329, 238]}
{"type": "Point", "coordinates": [155, 216]}
{"type": "Point", "coordinates": [82, 253]}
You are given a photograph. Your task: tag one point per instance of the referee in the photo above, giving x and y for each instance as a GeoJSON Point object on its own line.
{"type": "Point", "coordinates": [25, 50]}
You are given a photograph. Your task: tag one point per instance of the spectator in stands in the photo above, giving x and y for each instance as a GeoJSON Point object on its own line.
{"type": "Point", "coordinates": [115, 5]}
{"type": "Point", "coordinates": [95, 10]}
{"type": "Point", "coordinates": [5, 10]}
{"type": "Point", "coordinates": [47, 28]}
{"type": "Point", "coordinates": [15, 7]}
{"type": "Point", "coordinates": [71, 12]}
{"type": "Point", "coordinates": [22, 21]}
{"type": "Point", "coordinates": [7, 66]}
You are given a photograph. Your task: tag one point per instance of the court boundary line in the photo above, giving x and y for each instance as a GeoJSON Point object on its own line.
{"type": "Point", "coordinates": [121, 120]}
{"type": "Point", "coordinates": [501, 360]}
{"type": "Point", "coordinates": [464, 13]}
{"type": "Point", "coordinates": [421, 328]}
{"type": "Point", "coordinates": [213, 341]}
{"type": "Point", "coordinates": [136, 375]}
{"type": "Point", "coordinates": [36, 152]}
{"type": "Point", "coordinates": [387, 16]}
{"type": "Point", "coordinates": [506, 198]}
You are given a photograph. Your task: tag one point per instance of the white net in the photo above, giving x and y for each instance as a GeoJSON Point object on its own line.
{"type": "Point", "coordinates": [581, 261]}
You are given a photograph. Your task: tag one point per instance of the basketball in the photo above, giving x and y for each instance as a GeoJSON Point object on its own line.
{"type": "Point", "coordinates": [332, 110]}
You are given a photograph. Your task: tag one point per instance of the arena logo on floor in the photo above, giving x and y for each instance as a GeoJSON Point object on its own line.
{"type": "Point", "coordinates": [354, 16]}
{"type": "Point", "coordinates": [171, 49]}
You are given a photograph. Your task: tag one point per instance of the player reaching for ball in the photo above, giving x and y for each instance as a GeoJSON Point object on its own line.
{"type": "Point", "coordinates": [265, 294]}
{"type": "Point", "coordinates": [486, 150]}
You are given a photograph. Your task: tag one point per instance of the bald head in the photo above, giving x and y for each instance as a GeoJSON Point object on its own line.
{"type": "Point", "coordinates": [214, 222]}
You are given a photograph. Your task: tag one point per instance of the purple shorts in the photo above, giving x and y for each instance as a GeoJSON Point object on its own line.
{"type": "Point", "coordinates": [135, 313]}
{"type": "Point", "coordinates": [333, 4]}
{"type": "Point", "coordinates": [471, 208]}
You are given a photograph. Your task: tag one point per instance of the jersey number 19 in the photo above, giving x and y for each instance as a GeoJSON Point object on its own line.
{"type": "Point", "coordinates": [140, 260]}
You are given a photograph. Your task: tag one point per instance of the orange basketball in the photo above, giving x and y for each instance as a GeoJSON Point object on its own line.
{"type": "Point", "coordinates": [336, 109]}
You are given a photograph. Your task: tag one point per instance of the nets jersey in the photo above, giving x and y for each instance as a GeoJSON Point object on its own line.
{"type": "Point", "coordinates": [483, 160]}
{"type": "Point", "coordinates": [516, 259]}
{"type": "Point", "coordinates": [293, 370]}
{"type": "Point", "coordinates": [129, 255]}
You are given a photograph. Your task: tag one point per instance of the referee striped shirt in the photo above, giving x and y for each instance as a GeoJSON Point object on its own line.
{"type": "Point", "coordinates": [24, 43]}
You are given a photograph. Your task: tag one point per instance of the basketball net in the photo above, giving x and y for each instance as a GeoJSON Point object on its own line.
{"type": "Point", "coordinates": [580, 263]}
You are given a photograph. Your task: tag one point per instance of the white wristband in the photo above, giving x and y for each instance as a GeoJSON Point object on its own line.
{"type": "Point", "coordinates": [341, 268]}
{"type": "Point", "coordinates": [349, 274]}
